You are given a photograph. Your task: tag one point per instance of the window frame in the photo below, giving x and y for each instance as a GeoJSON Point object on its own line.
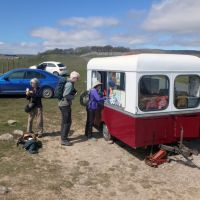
{"type": "Point", "coordinates": [174, 92]}
{"type": "Point", "coordinates": [116, 106]}
{"type": "Point", "coordinates": [138, 95]}
{"type": "Point", "coordinates": [16, 78]}
{"type": "Point", "coordinates": [107, 85]}
{"type": "Point", "coordinates": [51, 64]}
{"type": "Point", "coordinates": [42, 76]}
{"type": "Point", "coordinates": [60, 64]}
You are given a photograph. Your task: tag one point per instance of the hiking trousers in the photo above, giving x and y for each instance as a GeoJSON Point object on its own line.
{"type": "Point", "coordinates": [89, 122]}
{"type": "Point", "coordinates": [38, 114]}
{"type": "Point", "coordinates": [66, 121]}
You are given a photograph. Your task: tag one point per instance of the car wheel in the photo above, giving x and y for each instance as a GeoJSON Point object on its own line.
{"type": "Point", "coordinates": [56, 73]}
{"type": "Point", "coordinates": [47, 93]}
{"type": "Point", "coordinates": [106, 134]}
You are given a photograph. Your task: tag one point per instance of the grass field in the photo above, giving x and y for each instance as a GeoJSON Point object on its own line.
{"type": "Point", "coordinates": [20, 162]}
{"type": "Point", "coordinates": [14, 107]}
{"type": "Point", "coordinates": [71, 61]}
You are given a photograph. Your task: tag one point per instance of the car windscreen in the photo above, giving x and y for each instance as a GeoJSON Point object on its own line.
{"type": "Point", "coordinates": [61, 65]}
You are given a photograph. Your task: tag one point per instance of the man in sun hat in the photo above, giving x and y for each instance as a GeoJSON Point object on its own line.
{"type": "Point", "coordinates": [94, 100]}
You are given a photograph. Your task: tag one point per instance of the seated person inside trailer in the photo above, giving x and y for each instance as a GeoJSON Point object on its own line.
{"type": "Point", "coordinates": [153, 92]}
{"type": "Point", "coordinates": [112, 80]}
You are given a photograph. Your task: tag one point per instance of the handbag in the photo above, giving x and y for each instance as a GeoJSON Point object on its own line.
{"type": "Point", "coordinates": [29, 107]}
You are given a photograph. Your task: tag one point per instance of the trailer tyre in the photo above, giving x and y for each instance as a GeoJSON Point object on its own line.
{"type": "Point", "coordinates": [106, 134]}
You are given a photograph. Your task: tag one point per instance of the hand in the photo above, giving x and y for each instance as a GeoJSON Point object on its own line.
{"type": "Point", "coordinates": [29, 92]}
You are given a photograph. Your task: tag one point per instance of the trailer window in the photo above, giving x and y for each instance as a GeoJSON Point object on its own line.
{"type": "Point", "coordinates": [153, 92]}
{"type": "Point", "coordinates": [116, 88]}
{"type": "Point", "coordinates": [186, 91]}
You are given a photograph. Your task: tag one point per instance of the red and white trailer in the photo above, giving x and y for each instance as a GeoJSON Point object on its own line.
{"type": "Point", "coordinates": [152, 98]}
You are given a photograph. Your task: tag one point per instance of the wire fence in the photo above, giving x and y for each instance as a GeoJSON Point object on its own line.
{"type": "Point", "coordinates": [9, 64]}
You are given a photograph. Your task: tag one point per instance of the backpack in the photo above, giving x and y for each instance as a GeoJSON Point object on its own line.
{"type": "Point", "coordinates": [60, 88]}
{"type": "Point", "coordinates": [85, 98]}
{"type": "Point", "coordinates": [29, 143]}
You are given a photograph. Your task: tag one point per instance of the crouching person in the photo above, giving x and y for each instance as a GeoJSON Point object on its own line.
{"type": "Point", "coordinates": [34, 108]}
{"type": "Point", "coordinates": [65, 102]}
{"type": "Point", "coordinates": [93, 105]}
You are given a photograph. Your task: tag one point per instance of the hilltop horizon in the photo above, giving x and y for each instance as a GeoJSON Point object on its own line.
{"type": "Point", "coordinates": [109, 49]}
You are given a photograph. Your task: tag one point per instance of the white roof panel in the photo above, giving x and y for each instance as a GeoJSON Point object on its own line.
{"type": "Point", "coordinates": [147, 63]}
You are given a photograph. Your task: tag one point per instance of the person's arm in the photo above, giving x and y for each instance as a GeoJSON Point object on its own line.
{"type": "Point", "coordinates": [37, 94]}
{"type": "Point", "coordinates": [67, 91]}
{"type": "Point", "coordinates": [97, 97]}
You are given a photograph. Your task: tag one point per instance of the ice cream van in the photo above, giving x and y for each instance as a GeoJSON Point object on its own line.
{"type": "Point", "coordinates": [151, 98]}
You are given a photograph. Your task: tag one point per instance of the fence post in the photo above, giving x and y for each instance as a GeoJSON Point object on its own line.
{"type": "Point", "coordinates": [13, 63]}
{"type": "Point", "coordinates": [7, 64]}
{"type": "Point", "coordinates": [18, 62]}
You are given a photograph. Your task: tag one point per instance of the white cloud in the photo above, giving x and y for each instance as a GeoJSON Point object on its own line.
{"type": "Point", "coordinates": [90, 22]}
{"type": "Point", "coordinates": [136, 14]}
{"type": "Point", "coordinates": [20, 48]}
{"type": "Point", "coordinates": [129, 39]}
{"type": "Point", "coordinates": [167, 24]}
{"type": "Point", "coordinates": [179, 16]}
{"type": "Point", "coordinates": [55, 38]}
{"type": "Point", "coordinates": [185, 41]}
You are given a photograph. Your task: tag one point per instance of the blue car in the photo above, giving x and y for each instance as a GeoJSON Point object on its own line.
{"type": "Point", "coordinates": [16, 81]}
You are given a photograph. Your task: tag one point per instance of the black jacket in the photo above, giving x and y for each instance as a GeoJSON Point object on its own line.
{"type": "Point", "coordinates": [36, 97]}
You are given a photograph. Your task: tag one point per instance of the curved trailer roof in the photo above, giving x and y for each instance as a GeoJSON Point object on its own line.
{"type": "Point", "coordinates": [147, 63]}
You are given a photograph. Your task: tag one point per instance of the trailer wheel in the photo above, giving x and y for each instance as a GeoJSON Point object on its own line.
{"type": "Point", "coordinates": [106, 134]}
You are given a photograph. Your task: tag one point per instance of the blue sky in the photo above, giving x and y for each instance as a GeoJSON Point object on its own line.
{"type": "Point", "coordinates": [31, 26]}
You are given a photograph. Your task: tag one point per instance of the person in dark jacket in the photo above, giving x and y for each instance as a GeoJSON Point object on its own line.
{"type": "Point", "coordinates": [65, 107]}
{"type": "Point", "coordinates": [93, 105]}
{"type": "Point", "coordinates": [34, 95]}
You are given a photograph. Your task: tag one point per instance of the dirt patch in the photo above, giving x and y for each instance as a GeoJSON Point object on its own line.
{"type": "Point", "coordinates": [92, 170]}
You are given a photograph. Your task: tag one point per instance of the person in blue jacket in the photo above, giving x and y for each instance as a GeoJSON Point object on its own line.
{"type": "Point", "coordinates": [93, 105]}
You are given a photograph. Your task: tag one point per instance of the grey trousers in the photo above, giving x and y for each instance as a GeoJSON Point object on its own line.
{"type": "Point", "coordinates": [65, 121]}
{"type": "Point", "coordinates": [38, 114]}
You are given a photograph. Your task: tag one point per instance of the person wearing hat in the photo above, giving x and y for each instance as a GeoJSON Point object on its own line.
{"type": "Point", "coordinates": [34, 95]}
{"type": "Point", "coordinates": [93, 105]}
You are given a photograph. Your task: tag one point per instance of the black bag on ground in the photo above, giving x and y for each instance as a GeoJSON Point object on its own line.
{"type": "Point", "coordinates": [29, 143]}
{"type": "Point", "coordinates": [60, 88]}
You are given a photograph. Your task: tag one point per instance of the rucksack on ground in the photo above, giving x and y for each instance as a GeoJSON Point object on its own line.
{"type": "Point", "coordinates": [60, 88]}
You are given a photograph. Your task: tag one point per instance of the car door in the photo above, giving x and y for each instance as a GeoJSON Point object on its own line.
{"type": "Point", "coordinates": [51, 68]}
{"type": "Point", "coordinates": [13, 83]}
{"type": "Point", "coordinates": [33, 74]}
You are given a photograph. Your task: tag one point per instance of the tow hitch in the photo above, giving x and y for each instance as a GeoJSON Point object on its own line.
{"type": "Point", "coordinates": [161, 156]}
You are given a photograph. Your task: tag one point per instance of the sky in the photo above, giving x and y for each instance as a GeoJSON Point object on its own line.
{"type": "Point", "coordinates": [32, 26]}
